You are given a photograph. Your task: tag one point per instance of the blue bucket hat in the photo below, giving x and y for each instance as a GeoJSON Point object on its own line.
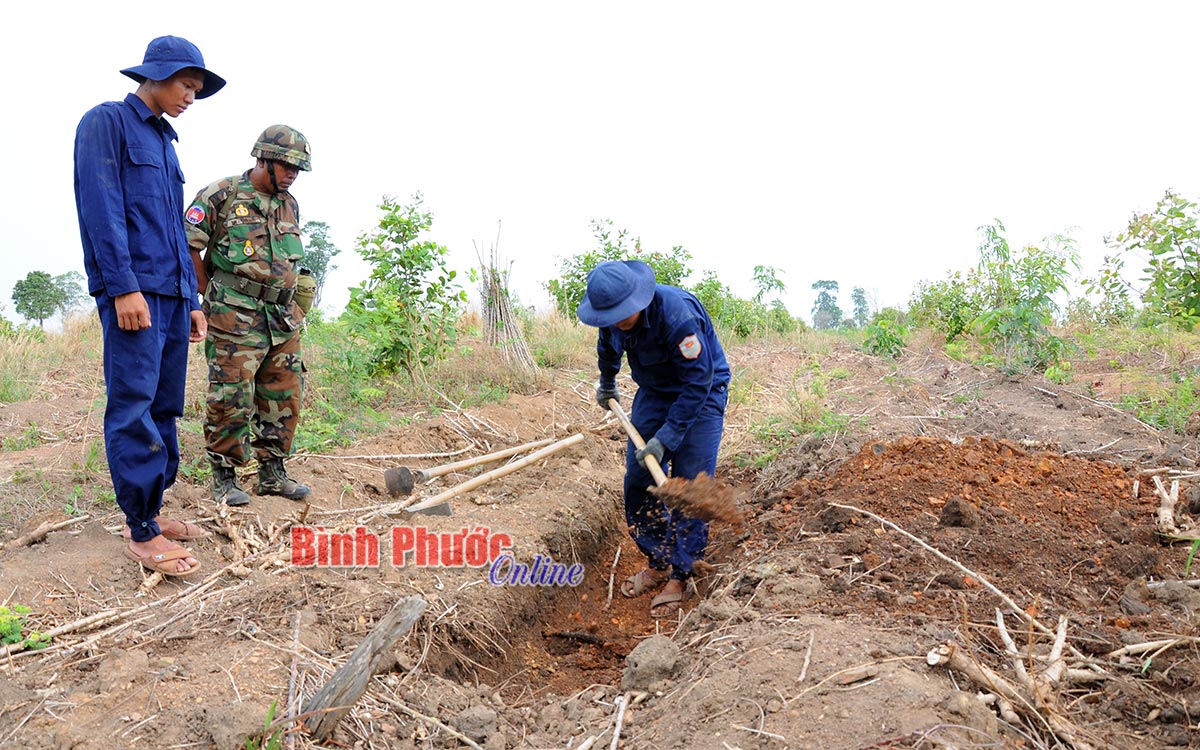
{"type": "Point", "coordinates": [166, 56]}
{"type": "Point", "coordinates": [616, 289]}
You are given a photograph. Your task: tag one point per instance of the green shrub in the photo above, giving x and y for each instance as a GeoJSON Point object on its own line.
{"type": "Point", "coordinates": [884, 337]}
{"type": "Point", "coordinates": [405, 313]}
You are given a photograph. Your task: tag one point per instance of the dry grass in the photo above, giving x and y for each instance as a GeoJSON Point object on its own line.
{"type": "Point", "coordinates": [39, 365]}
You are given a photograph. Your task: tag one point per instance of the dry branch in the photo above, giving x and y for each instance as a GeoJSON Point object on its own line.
{"type": "Point", "coordinates": [38, 534]}
{"type": "Point", "coordinates": [1009, 696]}
{"type": "Point", "coordinates": [338, 696]}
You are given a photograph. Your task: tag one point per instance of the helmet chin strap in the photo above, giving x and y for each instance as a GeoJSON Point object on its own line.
{"type": "Point", "coordinates": [271, 171]}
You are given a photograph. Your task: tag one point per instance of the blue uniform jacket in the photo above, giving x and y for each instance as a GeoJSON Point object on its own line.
{"type": "Point", "coordinates": [129, 197]}
{"type": "Point", "coordinates": [674, 357]}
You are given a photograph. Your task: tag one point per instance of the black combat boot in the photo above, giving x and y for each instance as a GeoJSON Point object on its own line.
{"type": "Point", "coordinates": [225, 486]}
{"type": "Point", "coordinates": [273, 480]}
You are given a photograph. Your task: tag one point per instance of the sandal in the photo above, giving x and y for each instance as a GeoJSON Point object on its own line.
{"type": "Point", "coordinates": [164, 562]}
{"type": "Point", "coordinates": [642, 581]}
{"type": "Point", "coordinates": [179, 531]}
{"type": "Point", "coordinates": [660, 605]}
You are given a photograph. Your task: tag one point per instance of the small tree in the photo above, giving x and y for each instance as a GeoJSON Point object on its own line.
{"type": "Point", "coordinates": [36, 297]}
{"type": "Point", "coordinates": [767, 282]}
{"type": "Point", "coordinates": [826, 313]}
{"type": "Point", "coordinates": [74, 292]}
{"type": "Point", "coordinates": [947, 306]}
{"type": "Point", "coordinates": [407, 310]}
{"type": "Point", "coordinates": [1167, 241]}
{"type": "Point", "coordinates": [862, 311]}
{"type": "Point", "coordinates": [1018, 291]}
{"type": "Point", "coordinates": [318, 254]}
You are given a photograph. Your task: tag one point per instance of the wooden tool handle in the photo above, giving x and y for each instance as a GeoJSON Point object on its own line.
{"type": "Point", "coordinates": [651, 462]}
{"type": "Point", "coordinates": [438, 471]}
{"type": "Point", "coordinates": [489, 476]}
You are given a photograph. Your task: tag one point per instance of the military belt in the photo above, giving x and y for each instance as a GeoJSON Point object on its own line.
{"type": "Point", "coordinates": [275, 295]}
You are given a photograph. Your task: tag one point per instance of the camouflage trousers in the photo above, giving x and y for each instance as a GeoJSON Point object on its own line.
{"type": "Point", "coordinates": [254, 388]}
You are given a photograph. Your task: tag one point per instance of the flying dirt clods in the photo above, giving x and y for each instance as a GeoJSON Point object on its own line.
{"type": "Point", "coordinates": [703, 497]}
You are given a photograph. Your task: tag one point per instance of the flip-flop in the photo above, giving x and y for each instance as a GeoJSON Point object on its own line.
{"type": "Point", "coordinates": [660, 605]}
{"type": "Point", "coordinates": [164, 562]}
{"type": "Point", "coordinates": [642, 581]}
{"type": "Point", "coordinates": [190, 532]}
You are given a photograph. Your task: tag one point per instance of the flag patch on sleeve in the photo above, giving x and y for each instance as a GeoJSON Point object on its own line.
{"type": "Point", "coordinates": [690, 347]}
{"type": "Point", "coordinates": [194, 215]}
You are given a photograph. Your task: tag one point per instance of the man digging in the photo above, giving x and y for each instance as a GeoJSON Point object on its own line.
{"type": "Point", "coordinates": [683, 379]}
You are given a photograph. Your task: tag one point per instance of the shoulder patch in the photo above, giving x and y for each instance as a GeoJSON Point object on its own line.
{"type": "Point", "coordinates": [690, 347]}
{"type": "Point", "coordinates": [195, 214]}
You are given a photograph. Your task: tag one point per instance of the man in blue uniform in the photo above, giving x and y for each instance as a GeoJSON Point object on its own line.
{"type": "Point", "coordinates": [129, 198]}
{"type": "Point", "coordinates": [683, 381]}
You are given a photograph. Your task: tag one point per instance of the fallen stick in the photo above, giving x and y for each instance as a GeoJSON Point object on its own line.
{"type": "Point", "coordinates": [622, 703]}
{"type": "Point", "coordinates": [149, 582]}
{"type": "Point", "coordinates": [1141, 648]}
{"type": "Point", "coordinates": [335, 699]}
{"type": "Point", "coordinates": [612, 575]}
{"type": "Point", "coordinates": [38, 534]}
{"type": "Point", "coordinates": [482, 479]}
{"type": "Point", "coordinates": [1189, 582]}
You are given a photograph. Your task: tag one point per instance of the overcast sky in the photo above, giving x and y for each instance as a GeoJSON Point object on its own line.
{"type": "Point", "coordinates": [863, 142]}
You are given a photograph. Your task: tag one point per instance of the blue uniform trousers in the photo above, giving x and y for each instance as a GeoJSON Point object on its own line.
{"type": "Point", "coordinates": [667, 538]}
{"type": "Point", "coordinates": [145, 373]}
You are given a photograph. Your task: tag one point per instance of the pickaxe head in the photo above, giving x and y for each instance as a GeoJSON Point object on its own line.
{"type": "Point", "coordinates": [399, 481]}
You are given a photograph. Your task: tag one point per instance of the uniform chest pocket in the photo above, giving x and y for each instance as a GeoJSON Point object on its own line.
{"type": "Point", "coordinates": [247, 239]}
{"type": "Point", "coordinates": [143, 173]}
{"type": "Point", "coordinates": [654, 355]}
{"type": "Point", "coordinates": [290, 244]}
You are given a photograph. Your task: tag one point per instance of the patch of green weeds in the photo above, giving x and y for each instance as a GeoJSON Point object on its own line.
{"type": "Point", "coordinates": [966, 397]}
{"type": "Point", "coordinates": [884, 338]}
{"type": "Point", "coordinates": [1166, 410]}
{"type": "Point", "coordinates": [1060, 372]}
{"type": "Point", "coordinates": [958, 350]}
{"type": "Point", "coordinates": [13, 626]}
{"type": "Point", "coordinates": [805, 415]}
{"type": "Point", "coordinates": [72, 506]}
{"type": "Point", "coordinates": [269, 739]}
{"type": "Point", "coordinates": [197, 471]}
{"type": "Point", "coordinates": [31, 438]}
{"type": "Point", "coordinates": [92, 464]}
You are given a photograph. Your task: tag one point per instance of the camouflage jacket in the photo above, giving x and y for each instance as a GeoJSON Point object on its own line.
{"type": "Point", "coordinates": [240, 230]}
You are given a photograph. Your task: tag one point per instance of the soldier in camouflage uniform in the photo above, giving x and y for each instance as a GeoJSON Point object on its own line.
{"type": "Point", "coordinates": [244, 235]}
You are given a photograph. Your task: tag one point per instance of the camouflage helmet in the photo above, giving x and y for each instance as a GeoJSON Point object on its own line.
{"type": "Point", "coordinates": [285, 144]}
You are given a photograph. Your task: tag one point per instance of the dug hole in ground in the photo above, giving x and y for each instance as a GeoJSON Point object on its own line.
{"type": "Point", "coordinates": [975, 561]}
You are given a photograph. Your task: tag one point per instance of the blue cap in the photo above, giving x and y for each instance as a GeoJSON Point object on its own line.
{"type": "Point", "coordinates": [166, 56]}
{"type": "Point", "coordinates": [616, 289]}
